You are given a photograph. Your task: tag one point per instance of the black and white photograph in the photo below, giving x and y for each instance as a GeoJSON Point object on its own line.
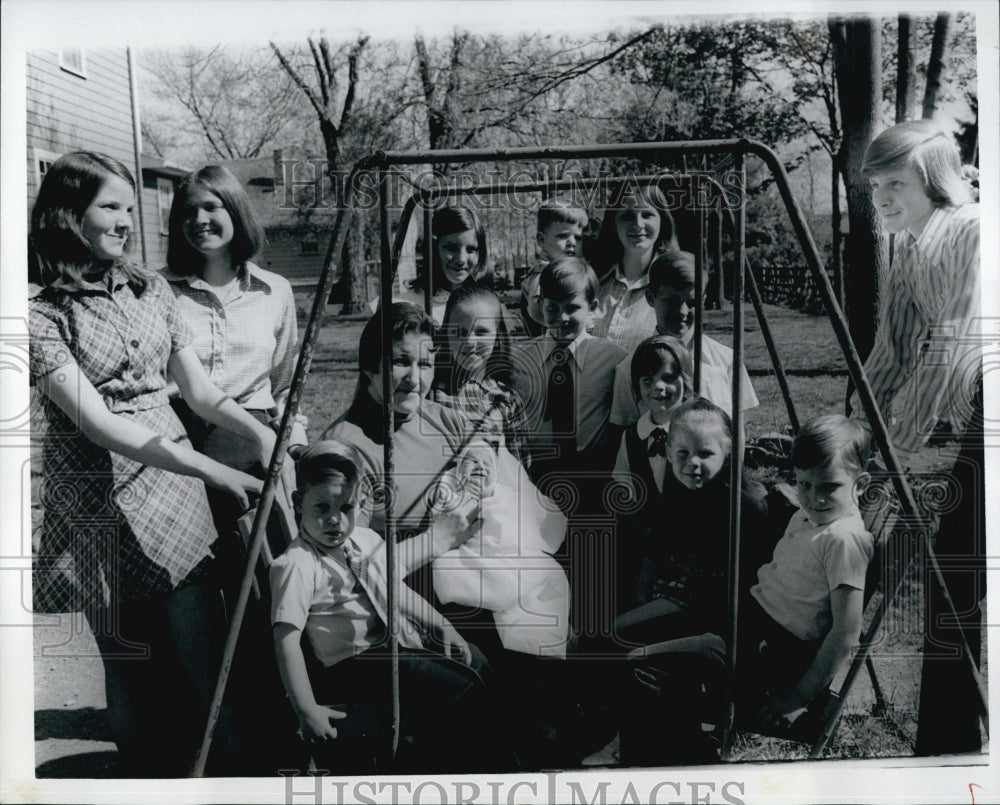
{"type": "Point", "coordinates": [499, 402]}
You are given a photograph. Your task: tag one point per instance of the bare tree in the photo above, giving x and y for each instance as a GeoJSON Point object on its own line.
{"type": "Point", "coordinates": [482, 86]}
{"type": "Point", "coordinates": [439, 96]}
{"type": "Point", "coordinates": [239, 103]}
{"type": "Point", "coordinates": [321, 86]}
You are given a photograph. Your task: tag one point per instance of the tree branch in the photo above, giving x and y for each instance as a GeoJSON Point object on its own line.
{"type": "Point", "coordinates": [321, 63]}
{"type": "Point", "coordinates": [294, 75]}
{"type": "Point", "coordinates": [352, 79]}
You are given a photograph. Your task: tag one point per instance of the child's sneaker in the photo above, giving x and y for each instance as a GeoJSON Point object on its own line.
{"type": "Point", "coordinates": [610, 755]}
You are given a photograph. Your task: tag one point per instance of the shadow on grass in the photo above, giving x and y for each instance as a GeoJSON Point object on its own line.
{"type": "Point", "coordinates": [92, 765]}
{"type": "Point", "coordinates": [81, 724]}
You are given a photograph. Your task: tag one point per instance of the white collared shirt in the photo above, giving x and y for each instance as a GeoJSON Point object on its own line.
{"type": "Point", "coordinates": [247, 343]}
{"type": "Point", "coordinates": [623, 315]}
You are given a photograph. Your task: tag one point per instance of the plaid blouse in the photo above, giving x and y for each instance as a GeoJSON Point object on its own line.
{"type": "Point", "coordinates": [113, 529]}
{"type": "Point", "coordinates": [247, 344]}
{"type": "Point", "coordinates": [496, 412]}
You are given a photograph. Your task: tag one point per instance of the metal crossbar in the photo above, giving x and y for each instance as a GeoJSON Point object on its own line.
{"type": "Point", "coordinates": [381, 164]}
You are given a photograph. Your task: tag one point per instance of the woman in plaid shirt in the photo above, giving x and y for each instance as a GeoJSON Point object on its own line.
{"type": "Point", "coordinates": [127, 533]}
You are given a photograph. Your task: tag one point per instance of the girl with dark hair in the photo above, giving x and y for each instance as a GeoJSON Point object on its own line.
{"type": "Point", "coordinates": [127, 534]}
{"type": "Point", "coordinates": [243, 317]}
{"type": "Point", "coordinates": [429, 442]}
{"type": "Point", "coordinates": [459, 258]}
{"type": "Point", "coordinates": [243, 320]}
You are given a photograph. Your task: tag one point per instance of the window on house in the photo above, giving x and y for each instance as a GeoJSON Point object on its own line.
{"type": "Point", "coordinates": [72, 60]}
{"type": "Point", "coordinates": [164, 198]}
{"type": "Point", "coordinates": [43, 161]}
{"type": "Point", "coordinates": [310, 247]}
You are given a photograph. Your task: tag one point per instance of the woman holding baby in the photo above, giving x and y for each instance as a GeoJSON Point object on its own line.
{"type": "Point", "coordinates": [451, 470]}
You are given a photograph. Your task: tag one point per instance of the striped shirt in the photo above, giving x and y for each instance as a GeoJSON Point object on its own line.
{"type": "Point", "coordinates": [927, 354]}
{"type": "Point", "coordinates": [247, 343]}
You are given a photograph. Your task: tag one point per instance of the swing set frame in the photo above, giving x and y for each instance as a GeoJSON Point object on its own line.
{"type": "Point", "coordinates": [384, 166]}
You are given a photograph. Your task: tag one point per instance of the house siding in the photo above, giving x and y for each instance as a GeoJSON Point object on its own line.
{"type": "Point", "coordinates": [67, 112]}
{"type": "Point", "coordinates": [283, 254]}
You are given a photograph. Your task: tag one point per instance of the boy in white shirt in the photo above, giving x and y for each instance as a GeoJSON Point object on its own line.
{"type": "Point", "coordinates": [330, 587]}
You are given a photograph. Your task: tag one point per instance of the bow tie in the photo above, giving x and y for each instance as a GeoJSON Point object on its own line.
{"type": "Point", "coordinates": [658, 447]}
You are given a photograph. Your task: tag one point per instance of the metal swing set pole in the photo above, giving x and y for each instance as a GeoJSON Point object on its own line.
{"type": "Point", "coordinates": [383, 161]}
{"type": "Point", "coordinates": [736, 460]}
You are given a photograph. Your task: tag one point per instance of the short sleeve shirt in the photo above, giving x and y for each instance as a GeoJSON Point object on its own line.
{"type": "Point", "coordinates": [247, 344]}
{"type": "Point", "coordinates": [314, 590]}
{"type": "Point", "coordinates": [809, 563]}
{"type": "Point", "coordinates": [121, 341]}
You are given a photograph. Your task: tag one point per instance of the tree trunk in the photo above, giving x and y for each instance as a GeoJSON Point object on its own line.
{"type": "Point", "coordinates": [357, 270]}
{"type": "Point", "coordinates": [906, 73]}
{"type": "Point", "coordinates": [935, 64]}
{"type": "Point", "coordinates": [837, 234]}
{"type": "Point", "coordinates": [353, 279]}
{"type": "Point", "coordinates": [858, 60]}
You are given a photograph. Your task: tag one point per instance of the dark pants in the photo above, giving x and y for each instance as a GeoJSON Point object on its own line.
{"type": "Point", "coordinates": [948, 719]}
{"type": "Point", "coordinates": [161, 661]}
{"type": "Point", "coordinates": [445, 707]}
{"type": "Point", "coordinates": [675, 698]}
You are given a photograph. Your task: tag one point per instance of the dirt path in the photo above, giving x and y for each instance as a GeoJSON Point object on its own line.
{"type": "Point", "coordinates": [71, 728]}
